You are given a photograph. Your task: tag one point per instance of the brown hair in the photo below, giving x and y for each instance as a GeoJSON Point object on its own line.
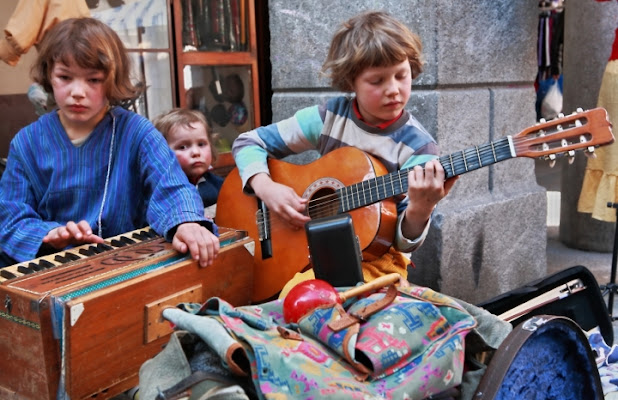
{"type": "Point", "coordinates": [370, 39]}
{"type": "Point", "coordinates": [184, 117]}
{"type": "Point", "coordinates": [90, 44]}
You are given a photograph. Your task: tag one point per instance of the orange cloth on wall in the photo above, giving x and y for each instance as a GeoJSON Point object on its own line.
{"type": "Point", "coordinates": [30, 22]}
{"type": "Point", "coordinates": [601, 175]}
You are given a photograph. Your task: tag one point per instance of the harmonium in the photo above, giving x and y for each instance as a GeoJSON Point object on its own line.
{"type": "Point", "coordinates": [79, 324]}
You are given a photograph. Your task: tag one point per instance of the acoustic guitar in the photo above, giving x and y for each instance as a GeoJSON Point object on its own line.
{"type": "Point", "coordinates": [348, 180]}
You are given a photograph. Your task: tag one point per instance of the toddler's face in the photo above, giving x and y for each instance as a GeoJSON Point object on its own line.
{"type": "Point", "coordinates": [383, 92]}
{"type": "Point", "coordinates": [192, 148]}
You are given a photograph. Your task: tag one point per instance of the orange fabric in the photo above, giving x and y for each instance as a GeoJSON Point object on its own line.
{"type": "Point", "coordinates": [30, 22]}
{"type": "Point", "coordinates": [392, 261]}
{"type": "Point", "coordinates": [600, 184]}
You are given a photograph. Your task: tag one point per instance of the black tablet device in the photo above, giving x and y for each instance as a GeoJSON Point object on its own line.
{"type": "Point", "coordinates": [334, 250]}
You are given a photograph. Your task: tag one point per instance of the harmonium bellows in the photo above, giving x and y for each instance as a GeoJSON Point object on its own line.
{"type": "Point", "coordinates": [79, 323]}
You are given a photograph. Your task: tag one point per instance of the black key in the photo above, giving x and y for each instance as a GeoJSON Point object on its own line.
{"type": "Point", "coordinates": [151, 233]}
{"type": "Point", "coordinates": [88, 251]}
{"type": "Point", "coordinates": [127, 240]}
{"type": "Point", "coordinates": [24, 270]}
{"type": "Point", "coordinates": [72, 256]}
{"type": "Point", "coordinates": [6, 274]}
{"type": "Point", "coordinates": [62, 259]}
{"type": "Point", "coordinates": [140, 235]}
{"type": "Point", "coordinates": [34, 266]}
{"type": "Point", "coordinates": [46, 264]}
{"type": "Point", "coordinates": [118, 243]}
{"type": "Point", "coordinates": [104, 247]}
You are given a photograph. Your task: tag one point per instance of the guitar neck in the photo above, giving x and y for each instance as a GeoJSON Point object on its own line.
{"type": "Point", "coordinates": [395, 183]}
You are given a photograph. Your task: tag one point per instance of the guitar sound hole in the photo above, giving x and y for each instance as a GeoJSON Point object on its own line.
{"type": "Point", "coordinates": [323, 203]}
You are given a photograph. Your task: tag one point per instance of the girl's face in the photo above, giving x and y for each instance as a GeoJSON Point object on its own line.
{"type": "Point", "coordinates": [192, 148]}
{"type": "Point", "coordinates": [80, 95]}
{"type": "Point", "coordinates": [383, 92]}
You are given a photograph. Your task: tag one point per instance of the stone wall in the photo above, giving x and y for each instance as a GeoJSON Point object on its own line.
{"type": "Point", "coordinates": [489, 235]}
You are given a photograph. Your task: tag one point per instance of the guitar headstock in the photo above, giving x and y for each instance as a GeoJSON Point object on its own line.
{"type": "Point", "coordinates": [582, 130]}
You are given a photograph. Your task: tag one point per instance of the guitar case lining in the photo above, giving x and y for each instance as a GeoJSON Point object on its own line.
{"type": "Point", "coordinates": [544, 358]}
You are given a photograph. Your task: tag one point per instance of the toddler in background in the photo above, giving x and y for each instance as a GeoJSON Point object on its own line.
{"type": "Point", "coordinates": [188, 134]}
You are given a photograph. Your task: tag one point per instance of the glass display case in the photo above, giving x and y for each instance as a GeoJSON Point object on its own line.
{"type": "Point", "coordinates": [217, 65]}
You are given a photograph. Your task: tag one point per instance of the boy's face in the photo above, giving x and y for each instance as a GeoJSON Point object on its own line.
{"type": "Point", "coordinates": [80, 95]}
{"type": "Point", "coordinates": [192, 148]}
{"type": "Point", "coordinates": [383, 92]}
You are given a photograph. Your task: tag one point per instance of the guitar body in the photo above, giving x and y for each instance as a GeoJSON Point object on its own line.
{"type": "Point", "coordinates": [373, 224]}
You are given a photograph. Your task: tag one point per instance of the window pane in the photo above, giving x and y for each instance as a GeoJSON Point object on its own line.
{"type": "Point", "coordinates": [139, 23]}
{"type": "Point", "coordinates": [154, 70]}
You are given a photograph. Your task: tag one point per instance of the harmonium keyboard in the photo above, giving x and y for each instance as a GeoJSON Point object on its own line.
{"type": "Point", "coordinates": [79, 324]}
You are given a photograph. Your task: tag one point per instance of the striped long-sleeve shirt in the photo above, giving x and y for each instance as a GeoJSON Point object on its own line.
{"type": "Point", "coordinates": [402, 144]}
{"type": "Point", "coordinates": [49, 181]}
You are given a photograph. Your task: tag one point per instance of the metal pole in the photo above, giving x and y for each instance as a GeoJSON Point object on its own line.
{"type": "Point", "coordinates": [612, 285]}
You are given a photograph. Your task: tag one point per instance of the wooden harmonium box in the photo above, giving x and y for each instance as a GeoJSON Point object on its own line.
{"type": "Point", "coordinates": [80, 323]}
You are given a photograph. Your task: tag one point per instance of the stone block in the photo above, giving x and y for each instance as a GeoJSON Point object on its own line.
{"type": "Point", "coordinates": [463, 122]}
{"type": "Point", "coordinates": [475, 252]}
{"type": "Point", "coordinates": [486, 41]}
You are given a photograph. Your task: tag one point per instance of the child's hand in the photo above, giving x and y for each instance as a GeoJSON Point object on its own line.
{"type": "Point", "coordinates": [199, 241]}
{"type": "Point", "coordinates": [426, 187]}
{"type": "Point", "coordinates": [281, 199]}
{"type": "Point", "coordinates": [71, 234]}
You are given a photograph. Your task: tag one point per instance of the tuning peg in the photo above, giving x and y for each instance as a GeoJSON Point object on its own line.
{"type": "Point", "coordinates": [571, 155]}
{"type": "Point", "coordinates": [589, 152]}
{"type": "Point", "coordinates": [551, 158]}
{"type": "Point", "coordinates": [580, 110]}
{"type": "Point", "coordinates": [542, 120]}
{"type": "Point", "coordinates": [578, 122]}
{"type": "Point", "coordinates": [560, 115]}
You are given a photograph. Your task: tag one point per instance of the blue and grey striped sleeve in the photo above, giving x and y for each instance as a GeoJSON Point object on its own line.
{"type": "Point", "coordinates": [290, 136]}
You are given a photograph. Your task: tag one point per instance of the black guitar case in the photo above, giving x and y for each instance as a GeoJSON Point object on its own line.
{"type": "Point", "coordinates": [544, 358]}
{"type": "Point", "coordinates": [573, 293]}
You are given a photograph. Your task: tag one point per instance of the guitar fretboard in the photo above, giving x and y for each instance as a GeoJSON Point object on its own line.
{"type": "Point", "coordinates": [395, 183]}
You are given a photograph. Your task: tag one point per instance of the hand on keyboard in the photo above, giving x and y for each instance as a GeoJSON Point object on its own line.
{"type": "Point", "coordinates": [71, 234]}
